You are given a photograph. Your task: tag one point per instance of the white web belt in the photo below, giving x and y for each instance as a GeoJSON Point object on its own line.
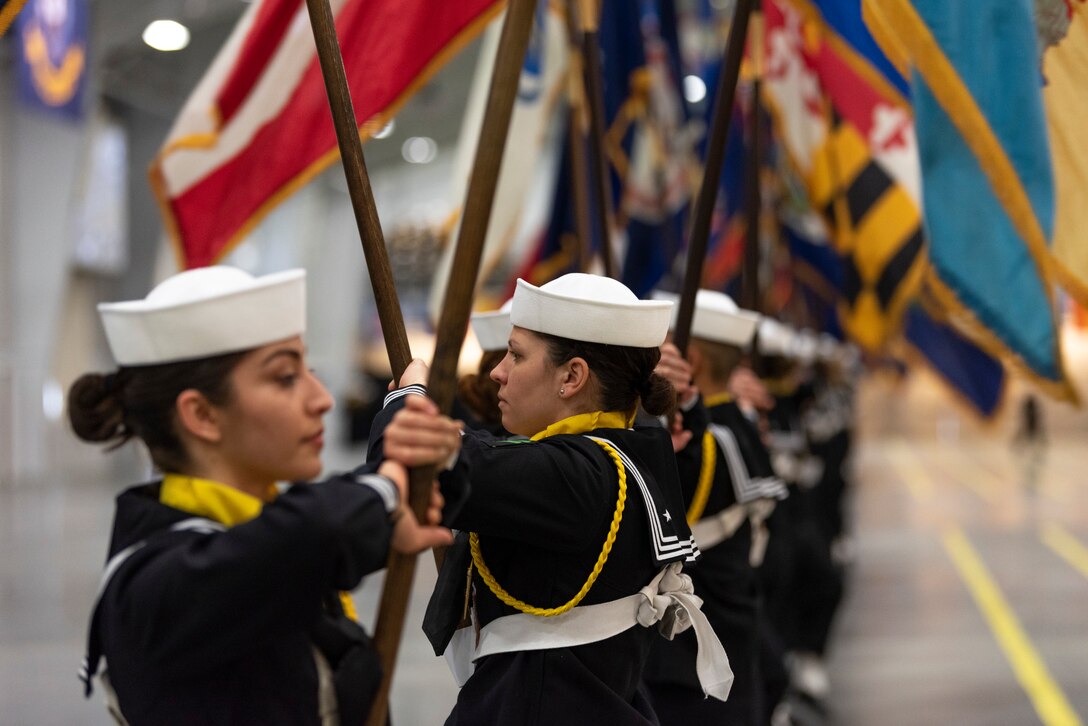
{"type": "Point", "coordinates": [668, 602]}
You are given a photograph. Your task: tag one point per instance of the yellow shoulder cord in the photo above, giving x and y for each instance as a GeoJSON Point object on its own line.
{"type": "Point", "coordinates": [349, 605]}
{"type": "Point", "coordinates": [706, 478]}
{"type": "Point", "coordinates": [507, 598]}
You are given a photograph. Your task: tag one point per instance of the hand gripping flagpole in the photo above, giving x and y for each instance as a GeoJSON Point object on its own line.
{"type": "Point", "coordinates": [458, 300]}
{"type": "Point", "coordinates": [712, 171]}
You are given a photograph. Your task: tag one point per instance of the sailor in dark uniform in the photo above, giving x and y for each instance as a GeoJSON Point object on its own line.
{"type": "Point", "coordinates": [826, 417]}
{"type": "Point", "coordinates": [577, 533]}
{"type": "Point", "coordinates": [730, 491]}
{"type": "Point", "coordinates": [222, 601]}
{"type": "Point", "coordinates": [477, 400]}
{"type": "Point", "coordinates": [802, 583]}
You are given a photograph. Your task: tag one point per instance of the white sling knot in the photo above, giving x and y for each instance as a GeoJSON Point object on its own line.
{"type": "Point", "coordinates": [670, 602]}
{"type": "Point", "coordinates": [667, 600]}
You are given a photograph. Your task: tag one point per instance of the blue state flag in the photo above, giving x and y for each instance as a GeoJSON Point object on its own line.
{"type": "Point", "coordinates": [977, 376]}
{"type": "Point", "coordinates": [649, 142]}
{"type": "Point", "coordinates": [53, 55]}
{"type": "Point", "coordinates": [986, 177]}
{"type": "Point", "coordinates": [559, 249]}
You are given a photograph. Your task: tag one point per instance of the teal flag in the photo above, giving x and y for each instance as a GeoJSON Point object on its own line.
{"type": "Point", "coordinates": [988, 193]}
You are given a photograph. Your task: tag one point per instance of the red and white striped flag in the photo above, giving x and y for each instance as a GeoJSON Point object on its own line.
{"type": "Point", "coordinates": [258, 126]}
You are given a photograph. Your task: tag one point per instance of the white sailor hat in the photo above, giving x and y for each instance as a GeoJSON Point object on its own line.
{"type": "Point", "coordinates": [827, 347]}
{"type": "Point", "coordinates": [805, 346]}
{"type": "Point", "coordinates": [775, 338]}
{"type": "Point", "coordinates": [591, 308]}
{"type": "Point", "coordinates": [204, 312]}
{"type": "Point", "coordinates": [492, 329]}
{"type": "Point", "coordinates": [716, 317]}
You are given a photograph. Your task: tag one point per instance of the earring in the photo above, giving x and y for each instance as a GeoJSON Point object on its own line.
{"type": "Point", "coordinates": [562, 391]}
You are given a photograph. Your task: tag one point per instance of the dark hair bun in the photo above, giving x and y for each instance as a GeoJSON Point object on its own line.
{"type": "Point", "coordinates": [94, 408]}
{"type": "Point", "coordinates": [657, 395]}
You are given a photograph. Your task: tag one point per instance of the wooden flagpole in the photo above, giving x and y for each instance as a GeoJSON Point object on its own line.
{"type": "Point", "coordinates": [715, 157]}
{"type": "Point", "coordinates": [750, 297]}
{"type": "Point", "coordinates": [362, 197]}
{"type": "Point", "coordinates": [589, 17]}
{"type": "Point", "coordinates": [458, 300]}
{"type": "Point", "coordinates": [578, 123]}
{"type": "Point", "coordinates": [400, 569]}
{"type": "Point", "coordinates": [457, 304]}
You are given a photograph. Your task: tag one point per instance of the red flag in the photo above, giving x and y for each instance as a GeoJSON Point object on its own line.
{"type": "Point", "coordinates": [258, 126]}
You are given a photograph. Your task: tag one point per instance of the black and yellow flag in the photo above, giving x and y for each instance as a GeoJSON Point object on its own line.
{"type": "Point", "coordinates": [875, 226]}
{"type": "Point", "coordinates": [849, 135]}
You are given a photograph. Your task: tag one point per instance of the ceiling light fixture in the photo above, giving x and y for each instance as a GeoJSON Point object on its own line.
{"type": "Point", "coordinates": [694, 89]}
{"type": "Point", "coordinates": [419, 150]}
{"type": "Point", "coordinates": [166, 35]}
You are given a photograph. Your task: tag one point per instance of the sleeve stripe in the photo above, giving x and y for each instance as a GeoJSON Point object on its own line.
{"type": "Point", "coordinates": [394, 395]}
{"type": "Point", "coordinates": [385, 489]}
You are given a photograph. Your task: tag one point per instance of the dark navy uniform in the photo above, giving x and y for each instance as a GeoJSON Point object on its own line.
{"type": "Point", "coordinates": [200, 624]}
{"type": "Point", "coordinates": [542, 511]}
{"type": "Point", "coordinates": [723, 577]}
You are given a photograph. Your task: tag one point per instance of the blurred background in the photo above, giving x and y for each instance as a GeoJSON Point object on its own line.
{"type": "Point", "coordinates": [964, 551]}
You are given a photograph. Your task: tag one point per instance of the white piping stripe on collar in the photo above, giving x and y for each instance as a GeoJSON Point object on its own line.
{"type": "Point", "coordinates": [745, 487]}
{"type": "Point", "coordinates": [665, 546]}
{"type": "Point", "coordinates": [111, 568]}
{"type": "Point", "coordinates": [198, 524]}
{"type": "Point", "coordinates": [193, 524]}
{"type": "Point", "coordinates": [394, 395]}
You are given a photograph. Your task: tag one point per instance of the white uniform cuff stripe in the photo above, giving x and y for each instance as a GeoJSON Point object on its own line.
{"type": "Point", "coordinates": [394, 395]}
{"type": "Point", "coordinates": [386, 489]}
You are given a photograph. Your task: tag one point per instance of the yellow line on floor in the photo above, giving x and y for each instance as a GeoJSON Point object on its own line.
{"type": "Point", "coordinates": [1068, 547]}
{"type": "Point", "coordinates": [1046, 695]}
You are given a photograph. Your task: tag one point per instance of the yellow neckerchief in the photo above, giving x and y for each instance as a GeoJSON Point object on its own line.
{"type": "Point", "coordinates": [717, 399]}
{"type": "Point", "coordinates": [223, 504]}
{"type": "Point", "coordinates": [577, 424]}
{"type": "Point", "coordinates": [582, 422]}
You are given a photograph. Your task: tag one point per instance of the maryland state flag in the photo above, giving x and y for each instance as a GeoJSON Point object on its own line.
{"type": "Point", "coordinates": [848, 132]}
{"type": "Point", "coordinates": [258, 125]}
